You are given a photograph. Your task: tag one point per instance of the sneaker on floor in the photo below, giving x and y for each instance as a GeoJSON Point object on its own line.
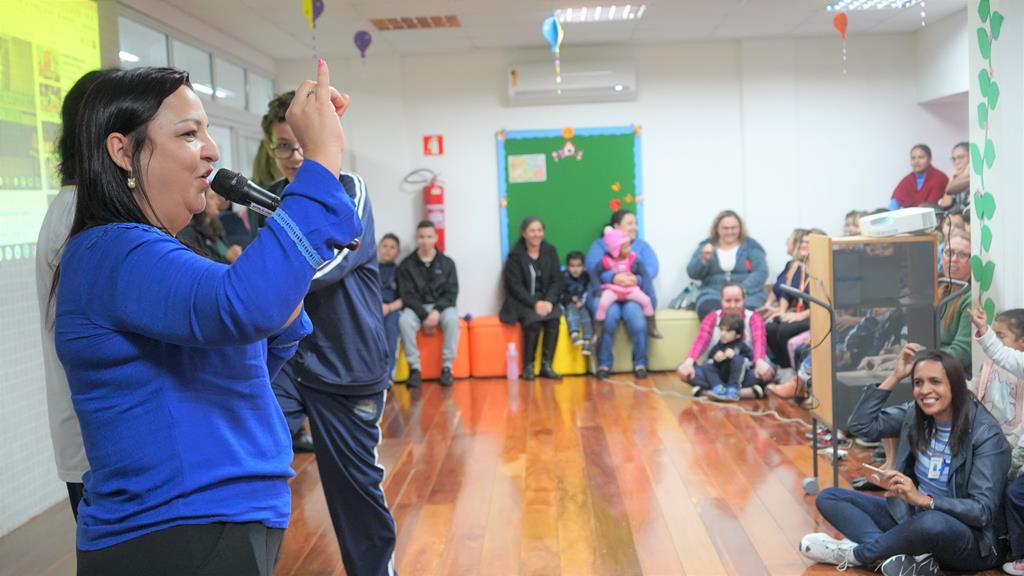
{"type": "Point", "coordinates": [697, 392]}
{"type": "Point", "coordinates": [867, 443]}
{"type": "Point", "coordinates": [447, 379]}
{"type": "Point", "coordinates": [719, 393]}
{"type": "Point", "coordinates": [907, 565]}
{"type": "Point", "coordinates": [640, 372]}
{"type": "Point", "coordinates": [1015, 568]}
{"type": "Point", "coordinates": [602, 374]}
{"type": "Point", "coordinates": [758, 391]}
{"type": "Point", "coordinates": [732, 395]}
{"type": "Point", "coordinates": [825, 549]}
{"type": "Point", "coordinates": [415, 379]}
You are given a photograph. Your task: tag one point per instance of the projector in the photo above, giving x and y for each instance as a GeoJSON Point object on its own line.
{"type": "Point", "coordinates": [903, 221]}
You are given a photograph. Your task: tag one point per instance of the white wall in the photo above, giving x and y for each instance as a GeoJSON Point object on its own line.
{"type": "Point", "coordinates": [943, 67]}
{"type": "Point", "coordinates": [771, 128]}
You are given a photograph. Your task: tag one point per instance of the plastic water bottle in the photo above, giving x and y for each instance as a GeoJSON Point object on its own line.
{"type": "Point", "coordinates": [512, 362]}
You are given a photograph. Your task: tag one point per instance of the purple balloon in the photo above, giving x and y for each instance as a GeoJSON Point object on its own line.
{"type": "Point", "coordinates": [363, 41]}
{"type": "Point", "coordinates": [318, 9]}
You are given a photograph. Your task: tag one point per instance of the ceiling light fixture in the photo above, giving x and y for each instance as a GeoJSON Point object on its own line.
{"type": "Point", "coordinates": [600, 13]}
{"type": "Point", "coordinates": [854, 5]}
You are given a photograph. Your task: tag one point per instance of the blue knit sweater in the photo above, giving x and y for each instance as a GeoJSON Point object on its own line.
{"type": "Point", "coordinates": [169, 358]}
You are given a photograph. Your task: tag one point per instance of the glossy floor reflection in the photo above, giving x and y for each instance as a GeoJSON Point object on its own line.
{"type": "Point", "coordinates": [546, 478]}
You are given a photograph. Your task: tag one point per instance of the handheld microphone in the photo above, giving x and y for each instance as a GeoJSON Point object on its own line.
{"type": "Point", "coordinates": [241, 190]}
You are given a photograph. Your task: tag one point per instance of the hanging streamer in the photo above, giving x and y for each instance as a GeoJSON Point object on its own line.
{"type": "Point", "coordinates": [312, 10]}
{"type": "Point", "coordinates": [839, 21]}
{"type": "Point", "coordinates": [553, 33]}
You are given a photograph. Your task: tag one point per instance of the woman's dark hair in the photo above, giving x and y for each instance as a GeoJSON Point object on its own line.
{"type": "Point", "coordinates": [1014, 320]}
{"type": "Point", "coordinates": [124, 102]}
{"type": "Point", "coordinates": [923, 428]}
{"type": "Point", "coordinates": [574, 255]}
{"type": "Point", "coordinates": [276, 109]}
{"type": "Point", "coordinates": [923, 148]}
{"type": "Point", "coordinates": [733, 322]}
{"type": "Point", "coordinates": [718, 220]}
{"type": "Point", "coordinates": [618, 216]}
{"type": "Point", "coordinates": [69, 122]}
{"type": "Point", "coordinates": [731, 284]}
{"type": "Point", "coordinates": [391, 236]}
{"type": "Point", "coordinates": [527, 222]}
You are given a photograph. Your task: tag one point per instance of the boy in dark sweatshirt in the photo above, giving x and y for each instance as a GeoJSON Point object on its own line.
{"type": "Point", "coordinates": [575, 290]}
{"type": "Point", "coordinates": [728, 363]}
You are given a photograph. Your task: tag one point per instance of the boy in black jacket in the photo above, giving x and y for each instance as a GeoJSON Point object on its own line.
{"type": "Point", "coordinates": [728, 363]}
{"type": "Point", "coordinates": [428, 286]}
{"type": "Point", "coordinates": [575, 290]}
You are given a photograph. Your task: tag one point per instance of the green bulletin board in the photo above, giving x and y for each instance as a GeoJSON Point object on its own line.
{"type": "Point", "coordinates": [573, 179]}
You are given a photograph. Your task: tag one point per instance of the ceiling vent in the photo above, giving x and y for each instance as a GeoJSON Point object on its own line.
{"type": "Point", "coordinates": [415, 23]}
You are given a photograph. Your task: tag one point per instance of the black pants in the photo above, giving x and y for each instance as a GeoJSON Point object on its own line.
{"type": "Point", "coordinates": [531, 334]}
{"type": "Point", "coordinates": [194, 550]}
{"type": "Point", "coordinates": [778, 335]}
{"type": "Point", "coordinates": [75, 490]}
{"type": "Point", "coordinates": [346, 432]}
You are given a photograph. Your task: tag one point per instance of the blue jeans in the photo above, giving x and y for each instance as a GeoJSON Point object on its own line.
{"type": "Point", "coordinates": [733, 373]}
{"type": "Point", "coordinates": [636, 324]}
{"type": "Point", "coordinates": [866, 520]}
{"type": "Point", "coordinates": [391, 337]}
{"type": "Point", "coordinates": [1015, 517]}
{"type": "Point", "coordinates": [578, 320]}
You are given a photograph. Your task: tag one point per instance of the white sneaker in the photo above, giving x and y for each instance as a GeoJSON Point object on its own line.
{"type": "Point", "coordinates": [1015, 568]}
{"type": "Point", "coordinates": [825, 549]}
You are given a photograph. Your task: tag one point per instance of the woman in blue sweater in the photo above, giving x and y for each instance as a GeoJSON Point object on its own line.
{"type": "Point", "coordinates": [168, 355]}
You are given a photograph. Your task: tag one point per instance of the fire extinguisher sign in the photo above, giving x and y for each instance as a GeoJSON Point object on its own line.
{"type": "Point", "coordinates": [433, 145]}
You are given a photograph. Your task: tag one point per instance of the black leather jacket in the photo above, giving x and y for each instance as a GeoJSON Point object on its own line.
{"type": "Point", "coordinates": [977, 476]}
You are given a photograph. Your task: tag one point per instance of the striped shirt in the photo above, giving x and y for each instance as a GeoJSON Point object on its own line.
{"type": "Point", "coordinates": [932, 465]}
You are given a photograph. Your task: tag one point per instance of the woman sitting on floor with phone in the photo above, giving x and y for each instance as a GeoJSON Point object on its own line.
{"type": "Point", "coordinates": [944, 496]}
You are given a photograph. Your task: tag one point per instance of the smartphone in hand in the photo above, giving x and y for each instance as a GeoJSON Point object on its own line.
{"type": "Point", "coordinates": [876, 476]}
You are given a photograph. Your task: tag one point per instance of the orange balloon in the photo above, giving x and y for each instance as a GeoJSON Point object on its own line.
{"type": "Point", "coordinates": [839, 21]}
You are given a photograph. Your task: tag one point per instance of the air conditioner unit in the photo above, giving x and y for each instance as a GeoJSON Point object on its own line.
{"type": "Point", "coordinates": [604, 81]}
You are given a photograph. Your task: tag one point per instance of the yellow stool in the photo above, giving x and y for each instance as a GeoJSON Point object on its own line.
{"type": "Point", "coordinates": [679, 328]}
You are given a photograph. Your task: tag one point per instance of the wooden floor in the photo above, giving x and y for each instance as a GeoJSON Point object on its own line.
{"type": "Point", "coordinates": [578, 477]}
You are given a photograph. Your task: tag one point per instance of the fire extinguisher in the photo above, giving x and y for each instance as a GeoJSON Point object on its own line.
{"type": "Point", "coordinates": [433, 208]}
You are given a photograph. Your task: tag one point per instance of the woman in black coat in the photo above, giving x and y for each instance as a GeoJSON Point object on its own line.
{"type": "Point", "coordinates": [533, 283]}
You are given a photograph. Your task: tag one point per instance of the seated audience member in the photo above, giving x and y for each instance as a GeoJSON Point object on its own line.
{"type": "Point", "coordinates": [733, 302]}
{"type": "Point", "coordinates": [794, 314]}
{"type": "Point", "coordinates": [771, 305]}
{"type": "Point", "coordinates": [728, 255]}
{"type": "Point", "coordinates": [924, 184]}
{"type": "Point", "coordinates": [205, 233]}
{"type": "Point", "coordinates": [429, 287]}
{"type": "Point", "coordinates": [575, 295]}
{"type": "Point", "coordinates": [621, 262]}
{"type": "Point", "coordinates": [958, 195]}
{"type": "Point", "coordinates": [391, 306]}
{"type": "Point", "coordinates": [533, 285]}
{"type": "Point", "coordinates": [955, 321]}
{"type": "Point", "coordinates": [729, 363]}
{"type": "Point", "coordinates": [629, 312]}
{"type": "Point", "coordinates": [945, 492]}
{"type": "Point", "coordinates": [851, 223]}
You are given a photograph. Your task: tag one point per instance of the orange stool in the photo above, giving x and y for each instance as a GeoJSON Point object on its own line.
{"type": "Point", "coordinates": [430, 356]}
{"type": "Point", "coordinates": [488, 344]}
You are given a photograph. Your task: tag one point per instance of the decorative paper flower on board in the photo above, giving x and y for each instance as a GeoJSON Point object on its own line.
{"type": "Point", "coordinates": [615, 204]}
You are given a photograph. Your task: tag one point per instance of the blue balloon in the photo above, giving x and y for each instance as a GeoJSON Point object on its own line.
{"type": "Point", "coordinates": [553, 33]}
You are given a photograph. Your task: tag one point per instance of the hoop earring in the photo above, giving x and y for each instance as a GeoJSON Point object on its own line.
{"type": "Point", "coordinates": [131, 181]}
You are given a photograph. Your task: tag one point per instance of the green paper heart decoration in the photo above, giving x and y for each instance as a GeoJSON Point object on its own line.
{"type": "Point", "coordinates": [984, 43]}
{"type": "Point", "coordinates": [984, 81]}
{"type": "Point", "coordinates": [990, 152]}
{"type": "Point", "coordinates": [990, 309]}
{"type": "Point", "coordinates": [982, 115]}
{"type": "Point", "coordinates": [985, 205]}
{"type": "Point", "coordinates": [983, 272]}
{"type": "Point", "coordinates": [984, 10]}
{"type": "Point", "coordinates": [997, 24]}
{"type": "Point", "coordinates": [986, 237]}
{"type": "Point", "coordinates": [976, 164]}
{"type": "Point", "coordinates": [993, 95]}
